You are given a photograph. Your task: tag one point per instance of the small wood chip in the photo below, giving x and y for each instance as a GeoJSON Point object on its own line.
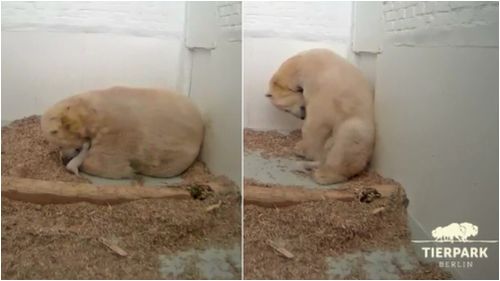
{"type": "Point", "coordinates": [280, 249]}
{"type": "Point", "coordinates": [378, 210]}
{"type": "Point", "coordinates": [119, 251]}
{"type": "Point", "coordinates": [213, 207]}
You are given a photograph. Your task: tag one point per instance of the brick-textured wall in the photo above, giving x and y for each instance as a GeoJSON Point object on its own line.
{"type": "Point", "coordinates": [229, 20]}
{"type": "Point", "coordinates": [315, 21]}
{"type": "Point", "coordinates": [152, 19]}
{"type": "Point", "coordinates": [441, 23]}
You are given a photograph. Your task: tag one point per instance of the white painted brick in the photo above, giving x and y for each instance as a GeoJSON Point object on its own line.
{"type": "Point", "coordinates": [401, 13]}
{"type": "Point", "coordinates": [449, 23]}
{"type": "Point", "coordinates": [487, 14]}
{"type": "Point", "coordinates": [429, 18]}
{"type": "Point", "coordinates": [410, 12]}
{"type": "Point", "coordinates": [315, 20]}
{"type": "Point", "coordinates": [225, 10]}
{"type": "Point", "coordinates": [392, 15]}
{"type": "Point", "coordinates": [429, 7]}
{"type": "Point", "coordinates": [442, 20]}
{"type": "Point", "coordinates": [387, 6]}
{"type": "Point", "coordinates": [462, 4]}
{"type": "Point", "coordinates": [442, 6]}
{"type": "Point", "coordinates": [133, 18]}
{"type": "Point", "coordinates": [465, 15]}
{"type": "Point", "coordinates": [412, 23]}
{"type": "Point", "coordinates": [229, 20]}
{"type": "Point", "coordinates": [407, 4]}
{"type": "Point", "coordinates": [420, 8]}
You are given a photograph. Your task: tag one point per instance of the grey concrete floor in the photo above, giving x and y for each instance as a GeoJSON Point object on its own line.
{"type": "Point", "coordinates": [278, 170]}
{"type": "Point", "coordinates": [210, 263]}
{"type": "Point", "coordinates": [376, 264]}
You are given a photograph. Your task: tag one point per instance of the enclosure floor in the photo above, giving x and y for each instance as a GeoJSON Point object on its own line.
{"type": "Point", "coordinates": [333, 240]}
{"type": "Point", "coordinates": [164, 238]}
{"type": "Point", "coordinates": [329, 240]}
{"type": "Point", "coordinates": [278, 170]}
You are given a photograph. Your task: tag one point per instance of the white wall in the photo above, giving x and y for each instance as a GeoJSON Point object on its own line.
{"type": "Point", "coordinates": [215, 50]}
{"type": "Point", "coordinates": [437, 115]}
{"type": "Point", "coordinates": [51, 50]}
{"type": "Point", "coordinates": [274, 31]}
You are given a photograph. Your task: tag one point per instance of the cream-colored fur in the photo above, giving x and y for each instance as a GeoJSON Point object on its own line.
{"type": "Point", "coordinates": [131, 131]}
{"type": "Point", "coordinates": [337, 104]}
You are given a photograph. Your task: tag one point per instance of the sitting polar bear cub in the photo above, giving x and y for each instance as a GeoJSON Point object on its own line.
{"type": "Point", "coordinates": [337, 104]}
{"type": "Point", "coordinates": [126, 131]}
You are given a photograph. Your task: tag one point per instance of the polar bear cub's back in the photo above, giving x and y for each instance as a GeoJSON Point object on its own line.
{"type": "Point", "coordinates": [160, 130]}
{"type": "Point", "coordinates": [131, 130]}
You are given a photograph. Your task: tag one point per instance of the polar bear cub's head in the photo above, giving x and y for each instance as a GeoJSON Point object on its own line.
{"type": "Point", "coordinates": [285, 98]}
{"type": "Point", "coordinates": [64, 125]}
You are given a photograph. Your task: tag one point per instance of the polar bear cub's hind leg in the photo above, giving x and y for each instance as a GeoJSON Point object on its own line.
{"type": "Point", "coordinates": [349, 153]}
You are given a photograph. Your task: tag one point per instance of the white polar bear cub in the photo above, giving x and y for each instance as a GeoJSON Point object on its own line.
{"type": "Point", "coordinates": [130, 130]}
{"type": "Point", "coordinates": [336, 103]}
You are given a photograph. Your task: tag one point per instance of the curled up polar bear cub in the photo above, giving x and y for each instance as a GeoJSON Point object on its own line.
{"type": "Point", "coordinates": [126, 131]}
{"type": "Point", "coordinates": [336, 103]}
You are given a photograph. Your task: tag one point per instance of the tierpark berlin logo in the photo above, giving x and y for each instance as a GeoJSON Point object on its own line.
{"type": "Point", "coordinates": [459, 250]}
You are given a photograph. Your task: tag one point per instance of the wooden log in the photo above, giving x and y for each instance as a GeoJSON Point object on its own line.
{"type": "Point", "coordinates": [287, 196]}
{"type": "Point", "coordinates": [49, 192]}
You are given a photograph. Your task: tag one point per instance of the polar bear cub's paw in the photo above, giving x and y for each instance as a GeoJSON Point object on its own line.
{"type": "Point", "coordinates": [77, 161]}
{"type": "Point", "coordinates": [299, 149]}
{"type": "Point", "coordinates": [324, 175]}
{"type": "Point", "coordinates": [307, 165]}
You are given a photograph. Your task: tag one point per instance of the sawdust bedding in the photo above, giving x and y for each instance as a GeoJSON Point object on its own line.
{"type": "Point", "coordinates": [65, 241]}
{"type": "Point", "coordinates": [314, 230]}
{"type": "Point", "coordinates": [271, 143]}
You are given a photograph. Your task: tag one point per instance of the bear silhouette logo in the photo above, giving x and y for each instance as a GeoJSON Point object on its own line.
{"type": "Point", "coordinates": [455, 232]}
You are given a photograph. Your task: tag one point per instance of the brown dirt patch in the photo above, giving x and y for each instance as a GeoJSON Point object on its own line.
{"type": "Point", "coordinates": [62, 241]}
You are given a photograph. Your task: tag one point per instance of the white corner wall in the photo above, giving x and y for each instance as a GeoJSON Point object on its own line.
{"type": "Point", "coordinates": [215, 52]}
{"type": "Point", "coordinates": [51, 50]}
{"type": "Point", "coordinates": [273, 32]}
{"type": "Point", "coordinates": [437, 115]}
